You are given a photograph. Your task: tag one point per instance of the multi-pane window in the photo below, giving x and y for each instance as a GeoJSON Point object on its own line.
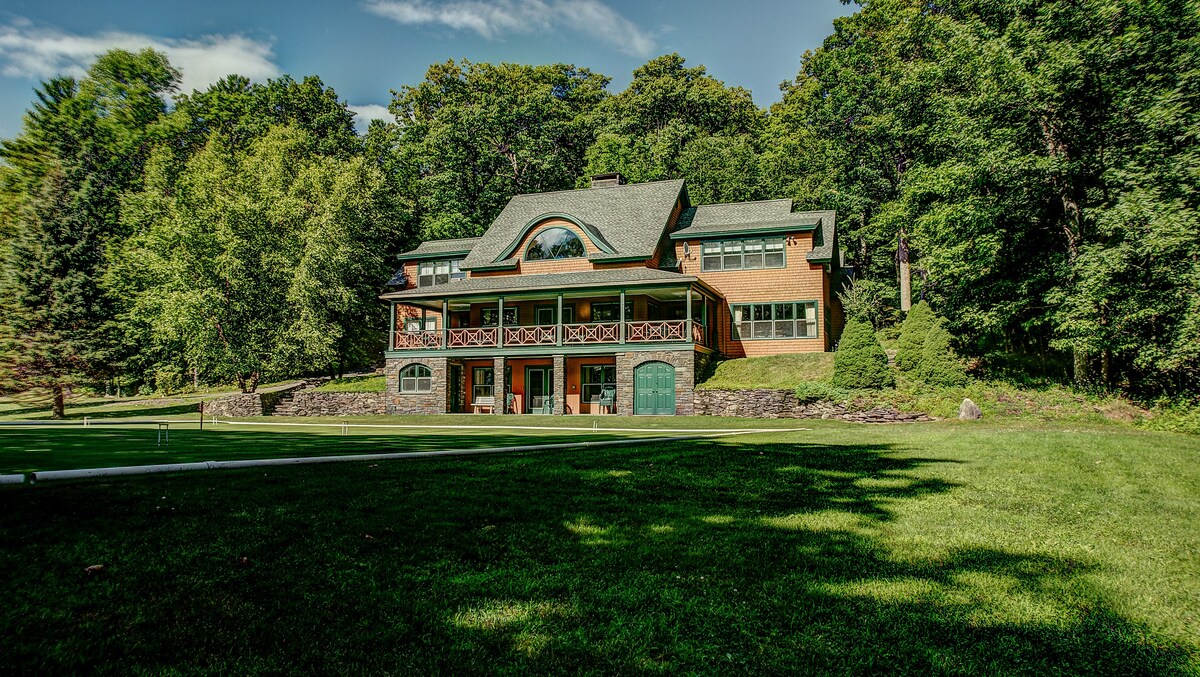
{"type": "Point", "coordinates": [424, 322]}
{"type": "Point", "coordinates": [595, 378]}
{"type": "Point", "coordinates": [488, 316]}
{"type": "Point", "coordinates": [793, 319]}
{"type": "Point", "coordinates": [416, 378]}
{"type": "Point", "coordinates": [482, 382]}
{"type": "Point", "coordinates": [750, 254]}
{"type": "Point", "coordinates": [430, 273]}
{"type": "Point", "coordinates": [609, 311]}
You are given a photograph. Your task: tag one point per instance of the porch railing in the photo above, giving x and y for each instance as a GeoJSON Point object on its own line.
{"type": "Point", "coordinates": [543, 335]}
{"type": "Point", "coordinates": [598, 332]}
{"type": "Point", "coordinates": [471, 337]}
{"type": "Point", "coordinates": [654, 331]}
{"type": "Point", "coordinates": [417, 340]}
{"type": "Point", "coordinates": [669, 330]}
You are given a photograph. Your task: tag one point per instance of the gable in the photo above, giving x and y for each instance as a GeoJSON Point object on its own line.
{"type": "Point", "coordinates": [622, 222]}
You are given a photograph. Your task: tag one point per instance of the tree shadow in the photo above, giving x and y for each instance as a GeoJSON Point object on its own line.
{"type": "Point", "coordinates": [706, 556]}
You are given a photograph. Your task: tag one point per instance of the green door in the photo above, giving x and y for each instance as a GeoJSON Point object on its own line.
{"type": "Point", "coordinates": [654, 388]}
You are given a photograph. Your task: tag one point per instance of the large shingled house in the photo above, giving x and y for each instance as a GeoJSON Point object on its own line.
{"type": "Point", "coordinates": [609, 298]}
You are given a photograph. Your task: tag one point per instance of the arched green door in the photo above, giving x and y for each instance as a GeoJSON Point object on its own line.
{"type": "Point", "coordinates": [654, 388]}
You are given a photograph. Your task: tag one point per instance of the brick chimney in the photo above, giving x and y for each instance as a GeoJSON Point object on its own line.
{"type": "Point", "coordinates": [607, 180]}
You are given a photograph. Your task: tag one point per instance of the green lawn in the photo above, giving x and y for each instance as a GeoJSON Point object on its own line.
{"type": "Point", "coordinates": [947, 547]}
{"type": "Point", "coordinates": [354, 384]}
{"type": "Point", "coordinates": [774, 371]}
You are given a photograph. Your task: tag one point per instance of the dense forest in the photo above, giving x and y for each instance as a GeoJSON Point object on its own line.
{"type": "Point", "coordinates": [1040, 157]}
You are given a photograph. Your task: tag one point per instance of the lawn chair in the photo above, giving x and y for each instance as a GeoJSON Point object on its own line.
{"type": "Point", "coordinates": [608, 399]}
{"type": "Point", "coordinates": [547, 405]}
{"type": "Point", "coordinates": [482, 403]}
{"type": "Point", "coordinates": [510, 403]}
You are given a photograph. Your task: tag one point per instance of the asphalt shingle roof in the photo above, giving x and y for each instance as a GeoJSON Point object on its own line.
{"type": "Point", "coordinates": [512, 283]}
{"type": "Point", "coordinates": [741, 212]}
{"type": "Point", "coordinates": [630, 219]}
{"type": "Point", "coordinates": [450, 246]}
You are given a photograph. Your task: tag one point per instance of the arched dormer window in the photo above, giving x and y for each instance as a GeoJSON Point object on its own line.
{"type": "Point", "coordinates": [416, 378]}
{"type": "Point", "coordinates": [555, 243]}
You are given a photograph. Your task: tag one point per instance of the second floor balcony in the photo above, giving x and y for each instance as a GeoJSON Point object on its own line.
{"type": "Point", "coordinates": [601, 309]}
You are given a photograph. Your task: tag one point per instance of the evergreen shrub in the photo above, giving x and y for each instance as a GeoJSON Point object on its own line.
{"type": "Point", "coordinates": [912, 336]}
{"type": "Point", "coordinates": [860, 361]}
{"type": "Point", "coordinates": [939, 366]}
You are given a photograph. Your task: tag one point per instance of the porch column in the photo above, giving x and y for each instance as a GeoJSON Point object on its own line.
{"type": "Point", "coordinates": [445, 323]}
{"type": "Point", "coordinates": [558, 331]}
{"type": "Point", "coordinates": [560, 384]}
{"type": "Point", "coordinates": [500, 323]}
{"type": "Point", "coordinates": [392, 328]}
{"type": "Point", "coordinates": [498, 385]}
{"type": "Point", "coordinates": [690, 335]}
{"type": "Point", "coordinates": [621, 307]}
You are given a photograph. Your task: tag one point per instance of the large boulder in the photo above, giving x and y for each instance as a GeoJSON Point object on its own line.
{"type": "Point", "coordinates": [969, 411]}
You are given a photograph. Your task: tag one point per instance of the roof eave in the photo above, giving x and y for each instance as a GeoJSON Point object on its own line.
{"type": "Point", "coordinates": [708, 235]}
{"type": "Point", "coordinates": [422, 256]}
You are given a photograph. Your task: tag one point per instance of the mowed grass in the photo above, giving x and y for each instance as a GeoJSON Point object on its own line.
{"type": "Point", "coordinates": [773, 371]}
{"type": "Point", "coordinates": [30, 449]}
{"type": "Point", "coordinates": [952, 547]}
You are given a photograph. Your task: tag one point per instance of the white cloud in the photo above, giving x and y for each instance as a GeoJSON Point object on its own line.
{"type": "Point", "coordinates": [27, 51]}
{"type": "Point", "coordinates": [367, 112]}
{"type": "Point", "coordinates": [494, 19]}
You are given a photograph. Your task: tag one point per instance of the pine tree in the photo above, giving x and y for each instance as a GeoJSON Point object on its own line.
{"type": "Point", "coordinates": [912, 336]}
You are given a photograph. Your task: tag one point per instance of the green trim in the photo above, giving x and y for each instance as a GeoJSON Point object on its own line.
{"type": "Point", "coordinates": [500, 265]}
{"type": "Point", "coordinates": [743, 240]}
{"type": "Point", "coordinates": [544, 291]}
{"type": "Point", "coordinates": [452, 254]}
{"type": "Point", "coordinates": [740, 339]}
{"type": "Point", "coordinates": [685, 235]}
{"type": "Point", "coordinates": [618, 259]}
{"type": "Point", "coordinates": [591, 233]}
{"type": "Point", "coordinates": [542, 351]}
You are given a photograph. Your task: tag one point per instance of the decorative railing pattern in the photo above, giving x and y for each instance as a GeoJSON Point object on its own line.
{"type": "Point", "coordinates": [601, 332]}
{"type": "Point", "coordinates": [471, 338]}
{"type": "Point", "coordinates": [530, 336]}
{"type": "Point", "coordinates": [657, 331]}
{"type": "Point", "coordinates": [669, 330]}
{"type": "Point", "coordinates": [408, 340]}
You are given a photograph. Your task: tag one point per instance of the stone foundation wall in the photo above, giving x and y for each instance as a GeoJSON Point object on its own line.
{"type": "Point", "coordinates": [684, 362]}
{"type": "Point", "coordinates": [436, 401]}
{"type": "Point", "coordinates": [783, 404]}
{"type": "Point", "coordinates": [310, 403]}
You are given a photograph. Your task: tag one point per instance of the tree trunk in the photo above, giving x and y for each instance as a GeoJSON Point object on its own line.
{"type": "Point", "coordinates": [60, 407]}
{"type": "Point", "coordinates": [253, 381]}
{"type": "Point", "coordinates": [1081, 375]}
{"type": "Point", "coordinates": [242, 382]}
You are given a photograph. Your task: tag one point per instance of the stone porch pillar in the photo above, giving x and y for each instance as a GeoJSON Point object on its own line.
{"type": "Point", "coordinates": [560, 385]}
{"type": "Point", "coordinates": [498, 387]}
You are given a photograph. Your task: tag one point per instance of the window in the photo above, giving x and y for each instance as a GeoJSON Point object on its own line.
{"type": "Point", "coordinates": [544, 315]}
{"type": "Point", "coordinates": [488, 316]}
{"type": "Point", "coordinates": [555, 243]}
{"type": "Point", "coordinates": [482, 382]}
{"type": "Point", "coordinates": [425, 321]}
{"type": "Point", "coordinates": [742, 254]}
{"type": "Point", "coordinates": [595, 378]}
{"type": "Point", "coordinates": [416, 378]}
{"type": "Point", "coordinates": [775, 320]}
{"type": "Point", "coordinates": [430, 273]}
{"type": "Point", "coordinates": [608, 311]}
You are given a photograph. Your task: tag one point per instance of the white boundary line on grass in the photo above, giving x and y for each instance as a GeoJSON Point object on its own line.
{"type": "Point", "coordinates": [512, 427]}
{"type": "Point", "coordinates": [47, 475]}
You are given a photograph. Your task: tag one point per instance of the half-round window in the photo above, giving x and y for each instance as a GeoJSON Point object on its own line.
{"type": "Point", "coordinates": [416, 378]}
{"type": "Point", "coordinates": [555, 243]}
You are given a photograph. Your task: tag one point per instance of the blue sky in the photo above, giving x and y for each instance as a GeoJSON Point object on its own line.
{"type": "Point", "coordinates": [365, 48]}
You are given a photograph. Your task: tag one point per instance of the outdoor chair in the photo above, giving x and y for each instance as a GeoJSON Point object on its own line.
{"type": "Point", "coordinates": [547, 405]}
{"type": "Point", "coordinates": [608, 399]}
{"type": "Point", "coordinates": [480, 403]}
{"type": "Point", "coordinates": [510, 403]}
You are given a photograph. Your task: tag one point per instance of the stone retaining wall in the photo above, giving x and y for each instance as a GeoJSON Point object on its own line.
{"type": "Point", "coordinates": [783, 404]}
{"type": "Point", "coordinates": [242, 405]}
{"type": "Point", "coordinates": [310, 403]}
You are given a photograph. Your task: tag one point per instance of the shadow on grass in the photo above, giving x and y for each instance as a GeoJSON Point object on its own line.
{"type": "Point", "coordinates": [690, 557]}
{"type": "Point", "coordinates": [101, 410]}
{"type": "Point", "coordinates": [28, 449]}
